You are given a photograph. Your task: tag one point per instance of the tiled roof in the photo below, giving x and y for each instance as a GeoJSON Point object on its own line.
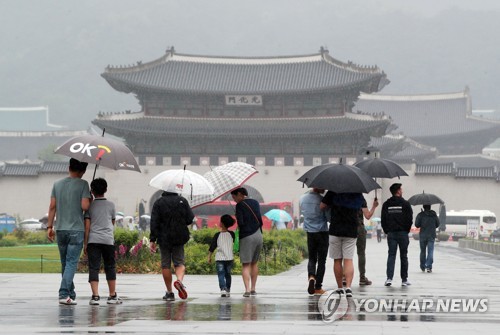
{"type": "Point", "coordinates": [420, 116]}
{"type": "Point", "coordinates": [24, 169]}
{"type": "Point", "coordinates": [470, 166]}
{"type": "Point", "coordinates": [224, 75]}
{"type": "Point", "coordinates": [273, 127]}
{"type": "Point", "coordinates": [54, 167]}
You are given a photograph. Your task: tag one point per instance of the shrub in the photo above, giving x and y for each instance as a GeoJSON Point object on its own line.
{"type": "Point", "coordinates": [204, 236]}
{"type": "Point", "coordinates": [39, 237]}
{"type": "Point", "coordinates": [125, 238]}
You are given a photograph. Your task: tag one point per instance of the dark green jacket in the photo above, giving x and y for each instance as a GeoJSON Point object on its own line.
{"type": "Point", "coordinates": [428, 222]}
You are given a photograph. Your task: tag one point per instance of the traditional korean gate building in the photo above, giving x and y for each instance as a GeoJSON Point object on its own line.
{"type": "Point", "coordinates": [274, 111]}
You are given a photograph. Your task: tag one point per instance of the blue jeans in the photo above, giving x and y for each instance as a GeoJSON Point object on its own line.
{"type": "Point", "coordinates": [426, 244]}
{"type": "Point", "coordinates": [224, 273]}
{"type": "Point", "coordinates": [70, 245]}
{"type": "Point", "coordinates": [394, 240]}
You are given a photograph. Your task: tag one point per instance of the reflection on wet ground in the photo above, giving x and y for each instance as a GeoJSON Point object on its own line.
{"type": "Point", "coordinates": [238, 310]}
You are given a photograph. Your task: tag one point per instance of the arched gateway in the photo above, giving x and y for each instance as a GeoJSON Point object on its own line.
{"type": "Point", "coordinates": [202, 110]}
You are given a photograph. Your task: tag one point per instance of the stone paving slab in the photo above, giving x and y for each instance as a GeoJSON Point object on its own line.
{"type": "Point", "coordinates": [29, 301]}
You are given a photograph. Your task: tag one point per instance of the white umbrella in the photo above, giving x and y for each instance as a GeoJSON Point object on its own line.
{"type": "Point", "coordinates": [183, 182]}
{"type": "Point", "coordinates": [224, 179]}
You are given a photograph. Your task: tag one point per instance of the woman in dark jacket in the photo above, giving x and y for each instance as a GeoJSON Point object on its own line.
{"type": "Point", "coordinates": [249, 221]}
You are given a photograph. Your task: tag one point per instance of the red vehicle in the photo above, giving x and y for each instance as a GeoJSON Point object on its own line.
{"type": "Point", "coordinates": [208, 215]}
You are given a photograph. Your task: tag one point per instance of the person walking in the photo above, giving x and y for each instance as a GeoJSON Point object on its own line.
{"type": "Point", "coordinates": [428, 222]}
{"type": "Point", "coordinates": [223, 241]}
{"type": "Point", "coordinates": [70, 197]}
{"type": "Point", "coordinates": [249, 221]}
{"type": "Point", "coordinates": [99, 242]}
{"type": "Point", "coordinates": [397, 218]}
{"type": "Point", "coordinates": [364, 213]}
{"type": "Point", "coordinates": [343, 233]}
{"type": "Point", "coordinates": [170, 217]}
{"type": "Point", "coordinates": [316, 226]}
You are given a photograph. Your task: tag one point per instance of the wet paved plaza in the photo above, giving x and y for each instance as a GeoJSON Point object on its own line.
{"type": "Point", "coordinates": [282, 306]}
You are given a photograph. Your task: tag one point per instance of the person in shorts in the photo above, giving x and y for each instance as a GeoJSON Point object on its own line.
{"type": "Point", "coordinates": [99, 242]}
{"type": "Point", "coordinates": [170, 217]}
{"type": "Point", "coordinates": [223, 241]}
{"type": "Point", "coordinates": [343, 233]}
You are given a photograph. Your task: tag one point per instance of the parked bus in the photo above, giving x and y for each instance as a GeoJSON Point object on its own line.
{"type": "Point", "coordinates": [471, 223]}
{"type": "Point", "coordinates": [208, 215]}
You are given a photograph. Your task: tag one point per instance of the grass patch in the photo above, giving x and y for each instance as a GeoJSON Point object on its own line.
{"type": "Point", "coordinates": [30, 259]}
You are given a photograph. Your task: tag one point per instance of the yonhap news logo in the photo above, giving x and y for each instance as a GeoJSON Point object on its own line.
{"type": "Point", "coordinates": [333, 305]}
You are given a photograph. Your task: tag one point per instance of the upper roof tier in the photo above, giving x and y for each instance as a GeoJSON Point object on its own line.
{"type": "Point", "coordinates": [245, 75]}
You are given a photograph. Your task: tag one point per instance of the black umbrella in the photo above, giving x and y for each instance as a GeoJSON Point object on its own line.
{"type": "Point", "coordinates": [381, 168]}
{"type": "Point", "coordinates": [99, 150]}
{"type": "Point", "coordinates": [339, 178]}
{"type": "Point", "coordinates": [425, 199]}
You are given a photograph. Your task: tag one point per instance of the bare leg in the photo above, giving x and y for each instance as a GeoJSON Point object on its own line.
{"type": "Point", "coordinates": [338, 272]}
{"type": "Point", "coordinates": [94, 286]}
{"type": "Point", "coordinates": [179, 272]}
{"type": "Point", "coordinates": [112, 287]}
{"type": "Point", "coordinates": [245, 274]}
{"type": "Point", "coordinates": [167, 278]}
{"type": "Point", "coordinates": [348, 271]}
{"type": "Point", "coordinates": [254, 273]}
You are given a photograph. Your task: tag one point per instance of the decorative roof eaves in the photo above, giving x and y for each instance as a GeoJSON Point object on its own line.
{"type": "Point", "coordinates": [410, 98]}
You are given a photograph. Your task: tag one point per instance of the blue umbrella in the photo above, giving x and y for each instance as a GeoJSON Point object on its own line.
{"type": "Point", "coordinates": [278, 215]}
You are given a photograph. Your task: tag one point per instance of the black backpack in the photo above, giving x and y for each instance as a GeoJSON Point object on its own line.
{"type": "Point", "coordinates": [176, 216]}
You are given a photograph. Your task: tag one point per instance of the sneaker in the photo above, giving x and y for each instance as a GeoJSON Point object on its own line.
{"type": "Point", "coordinates": [310, 287]}
{"type": "Point", "coordinates": [348, 292]}
{"type": "Point", "coordinates": [405, 283]}
{"type": "Point", "coordinates": [246, 294]}
{"type": "Point", "coordinates": [169, 296]}
{"type": "Point", "coordinates": [340, 291]}
{"type": "Point", "coordinates": [388, 282]}
{"type": "Point", "coordinates": [365, 281]}
{"type": "Point", "coordinates": [94, 300]}
{"type": "Point", "coordinates": [423, 269]}
{"type": "Point", "coordinates": [223, 293]}
{"type": "Point", "coordinates": [319, 291]}
{"type": "Point", "coordinates": [428, 270]}
{"type": "Point", "coordinates": [253, 293]}
{"type": "Point", "coordinates": [181, 289]}
{"type": "Point", "coordinates": [228, 293]}
{"type": "Point", "coordinates": [67, 301]}
{"type": "Point", "coordinates": [114, 300]}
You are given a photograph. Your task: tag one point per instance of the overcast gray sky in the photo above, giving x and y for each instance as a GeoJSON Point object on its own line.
{"type": "Point", "coordinates": [53, 52]}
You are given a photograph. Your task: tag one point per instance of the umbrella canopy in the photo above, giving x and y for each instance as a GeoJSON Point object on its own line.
{"type": "Point", "coordinates": [339, 178]}
{"type": "Point", "coordinates": [278, 215]}
{"type": "Point", "coordinates": [224, 179]}
{"type": "Point", "coordinates": [183, 182]}
{"type": "Point", "coordinates": [425, 199]}
{"type": "Point", "coordinates": [99, 150]}
{"type": "Point", "coordinates": [381, 168]}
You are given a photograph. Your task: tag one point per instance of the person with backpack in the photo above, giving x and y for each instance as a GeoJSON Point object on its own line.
{"type": "Point", "coordinates": [170, 217]}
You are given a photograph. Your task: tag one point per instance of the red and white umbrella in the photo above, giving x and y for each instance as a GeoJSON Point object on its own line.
{"type": "Point", "coordinates": [224, 179]}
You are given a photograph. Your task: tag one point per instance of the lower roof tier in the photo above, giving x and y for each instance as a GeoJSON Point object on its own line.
{"type": "Point", "coordinates": [243, 127]}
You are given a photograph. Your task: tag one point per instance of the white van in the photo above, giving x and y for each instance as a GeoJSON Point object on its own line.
{"type": "Point", "coordinates": [471, 223]}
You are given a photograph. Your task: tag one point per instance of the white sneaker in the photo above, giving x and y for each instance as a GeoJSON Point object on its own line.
{"type": "Point", "coordinates": [228, 294]}
{"type": "Point", "coordinates": [405, 283]}
{"type": "Point", "coordinates": [388, 282]}
{"type": "Point", "coordinates": [94, 300]}
{"type": "Point", "coordinates": [67, 301]}
{"type": "Point", "coordinates": [223, 293]}
{"type": "Point", "coordinates": [114, 300]}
